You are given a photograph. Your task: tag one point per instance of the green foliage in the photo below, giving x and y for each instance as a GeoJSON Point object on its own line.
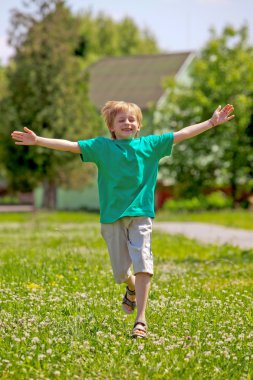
{"type": "Point", "coordinates": [218, 201]}
{"type": "Point", "coordinates": [47, 92]}
{"type": "Point", "coordinates": [9, 200]}
{"type": "Point", "coordinates": [61, 314]}
{"type": "Point", "coordinates": [3, 82]}
{"type": "Point", "coordinates": [101, 36]}
{"type": "Point", "coordinates": [193, 204]}
{"type": "Point", "coordinates": [48, 86]}
{"type": "Point", "coordinates": [214, 201]}
{"type": "Point", "coordinates": [222, 73]}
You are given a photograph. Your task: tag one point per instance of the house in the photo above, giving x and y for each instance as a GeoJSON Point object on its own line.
{"type": "Point", "coordinates": [138, 79]}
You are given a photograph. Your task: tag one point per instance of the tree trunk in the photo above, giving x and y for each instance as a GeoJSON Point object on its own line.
{"type": "Point", "coordinates": [49, 195]}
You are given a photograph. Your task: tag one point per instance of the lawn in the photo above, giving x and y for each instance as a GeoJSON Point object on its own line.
{"type": "Point", "coordinates": [61, 317]}
{"type": "Point", "coordinates": [230, 218]}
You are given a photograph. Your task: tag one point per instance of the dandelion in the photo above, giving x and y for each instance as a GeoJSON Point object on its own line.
{"type": "Point", "coordinates": [32, 286]}
{"type": "Point", "coordinates": [59, 276]}
{"type": "Point", "coordinates": [53, 283]}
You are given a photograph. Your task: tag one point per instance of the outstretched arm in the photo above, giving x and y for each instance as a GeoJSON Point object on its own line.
{"type": "Point", "coordinates": [28, 137]}
{"type": "Point", "coordinates": [220, 115]}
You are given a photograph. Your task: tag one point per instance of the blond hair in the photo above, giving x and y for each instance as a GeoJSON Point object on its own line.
{"type": "Point", "coordinates": [113, 107]}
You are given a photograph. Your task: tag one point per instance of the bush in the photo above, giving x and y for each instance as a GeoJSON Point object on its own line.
{"type": "Point", "coordinates": [218, 201]}
{"type": "Point", "coordinates": [9, 200]}
{"type": "Point", "coordinates": [214, 201]}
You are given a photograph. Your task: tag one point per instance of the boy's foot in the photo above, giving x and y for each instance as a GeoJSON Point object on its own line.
{"type": "Point", "coordinates": [140, 330]}
{"type": "Point", "coordinates": [129, 303]}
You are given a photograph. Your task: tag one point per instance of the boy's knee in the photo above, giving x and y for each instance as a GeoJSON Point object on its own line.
{"type": "Point", "coordinates": [121, 277]}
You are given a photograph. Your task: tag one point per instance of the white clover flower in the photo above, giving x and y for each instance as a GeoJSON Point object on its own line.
{"type": "Point", "coordinates": [35, 339]}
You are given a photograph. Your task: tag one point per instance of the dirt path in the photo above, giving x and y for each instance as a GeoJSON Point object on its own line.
{"type": "Point", "coordinates": [209, 233]}
{"type": "Point", "coordinates": [203, 232]}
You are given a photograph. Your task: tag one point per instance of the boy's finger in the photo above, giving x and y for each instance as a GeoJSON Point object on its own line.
{"type": "Point", "coordinates": [229, 107]}
{"type": "Point", "coordinates": [17, 133]}
{"type": "Point", "coordinates": [17, 139]}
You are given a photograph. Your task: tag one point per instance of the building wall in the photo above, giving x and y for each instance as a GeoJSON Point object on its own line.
{"type": "Point", "coordinates": [69, 199]}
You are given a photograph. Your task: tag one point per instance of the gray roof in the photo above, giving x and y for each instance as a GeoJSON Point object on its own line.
{"type": "Point", "coordinates": [136, 79]}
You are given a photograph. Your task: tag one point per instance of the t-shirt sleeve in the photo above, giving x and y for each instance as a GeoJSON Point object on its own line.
{"type": "Point", "coordinates": [91, 149]}
{"type": "Point", "coordinates": [162, 144]}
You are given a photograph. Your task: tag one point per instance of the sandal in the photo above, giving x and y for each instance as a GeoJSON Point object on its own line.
{"type": "Point", "coordinates": [141, 330]}
{"type": "Point", "coordinates": [126, 301]}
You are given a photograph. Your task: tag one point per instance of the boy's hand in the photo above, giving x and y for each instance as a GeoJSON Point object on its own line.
{"type": "Point", "coordinates": [221, 115]}
{"type": "Point", "coordinates": [24, 138]}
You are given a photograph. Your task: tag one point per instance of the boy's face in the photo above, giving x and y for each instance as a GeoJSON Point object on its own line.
{"type": "Point", "coordinates": [125, 126]}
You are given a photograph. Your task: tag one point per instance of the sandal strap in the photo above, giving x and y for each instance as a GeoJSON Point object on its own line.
{"type": "Point", "coordinates": [126, 301]}
{"type": "Point", "coordinates": [130, 292]}
{"type": "Point", "coordinates": [143, 326]}
{"type": "Point", "coordinates": [141, 331]}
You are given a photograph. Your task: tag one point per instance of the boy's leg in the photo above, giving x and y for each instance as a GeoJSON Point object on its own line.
{"type": "Point", "coordinates": [131, 285]}
{"type": "Point", "coordinates": [142, 286]}
{"type": "Point", "coordinates": [115, 236]}
{"type": "Point", "coordinates": [139, 245]}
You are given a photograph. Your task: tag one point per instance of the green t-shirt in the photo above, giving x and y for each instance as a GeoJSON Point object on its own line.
{"type": "Point", "coordinates": [127, 173]}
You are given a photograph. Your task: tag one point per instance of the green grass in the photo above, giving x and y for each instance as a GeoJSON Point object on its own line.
{"type": "Point", "coordinates": [46, 216]}
{"type": "Point", "coordinates": [230, 218]}
{"type": "Point", "coordinates": [61, 317]}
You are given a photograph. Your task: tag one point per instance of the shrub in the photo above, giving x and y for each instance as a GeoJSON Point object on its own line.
{"type": "Point", "coordinates": [9, 200]}
{"type": "Point", "coordinates": [218, 201]}
{"type": "Point", "coordinates": [214, 201]}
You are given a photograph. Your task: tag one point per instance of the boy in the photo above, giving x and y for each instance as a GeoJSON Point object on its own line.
{"type": "Point", "coordinates": [127, 172]}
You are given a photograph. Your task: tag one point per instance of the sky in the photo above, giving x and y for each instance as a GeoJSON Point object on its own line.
{"type": "Point", "coordinates": [178, 25]}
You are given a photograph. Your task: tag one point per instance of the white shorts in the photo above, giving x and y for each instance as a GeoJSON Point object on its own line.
{"type": "Point", "coordinates": [129, 242]}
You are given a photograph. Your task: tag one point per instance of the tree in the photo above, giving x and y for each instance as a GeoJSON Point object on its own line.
{"type": "Point", "coordinates": [222, 157]}
{"type": "Point", "coordinates": [47, 93]}
{"type": "Point", "coordinates": [101, 36]}
{"type": "Point", "coordinates": [48, 85]}
{"type": "Point", "coordinates": [3, 82]}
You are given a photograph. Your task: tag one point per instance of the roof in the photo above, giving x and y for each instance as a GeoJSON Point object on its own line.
{"type": "Point", "coordinates": [136, 79]}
